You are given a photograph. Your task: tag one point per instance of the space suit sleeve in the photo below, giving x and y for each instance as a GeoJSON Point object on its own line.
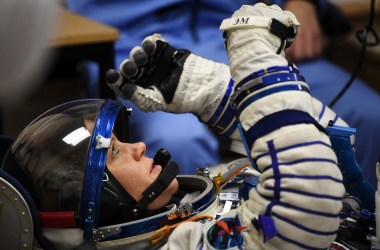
{"type": "Point", "coordinates": [296, 205]}
{"type": "Point", "coordinates": [298, 200]}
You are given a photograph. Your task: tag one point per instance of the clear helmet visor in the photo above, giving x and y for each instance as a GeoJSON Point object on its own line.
{"type": "Point", "coordinates": [60, 157]}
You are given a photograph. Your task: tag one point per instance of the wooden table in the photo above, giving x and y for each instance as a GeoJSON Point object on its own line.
{"type": "Point", "coordinates": [78, 38]}
{"type": "Point", "coordinates": [73, 30]}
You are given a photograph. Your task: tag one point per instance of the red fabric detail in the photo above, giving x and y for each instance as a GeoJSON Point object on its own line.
{"type": "Point", "coordinates": [57, 219]}
{"type": "Point", "coordinates": [227, 229]}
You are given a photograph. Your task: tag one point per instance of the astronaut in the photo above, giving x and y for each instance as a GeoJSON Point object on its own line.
{"type": "Point", "coordinates": [93, 190]}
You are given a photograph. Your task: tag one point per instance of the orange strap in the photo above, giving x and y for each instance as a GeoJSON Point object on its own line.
{"type": "Point", "coordinates": [161, 233]}
{"type": "Point", "coordinates": [237, 171]}
{"type": "Point", "coordinates": [228, 230]}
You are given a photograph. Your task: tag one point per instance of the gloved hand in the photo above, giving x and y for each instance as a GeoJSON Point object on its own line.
{"type": "Point", "coordinates": [256, 37]}
{"type": "Point", "coordinates": [160, 77]}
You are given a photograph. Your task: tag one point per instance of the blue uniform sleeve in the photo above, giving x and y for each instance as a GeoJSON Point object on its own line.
{"type": "Point", "coordinates": [320, 4]}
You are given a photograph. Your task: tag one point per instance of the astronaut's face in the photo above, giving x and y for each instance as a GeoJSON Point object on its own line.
{"type": "Point", "coordinates": [136, 172]}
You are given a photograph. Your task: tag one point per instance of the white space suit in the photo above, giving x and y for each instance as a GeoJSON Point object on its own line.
{"type": "Point", "coordinates": [297, 203]}
{"type": "Point", "coordinates": [268, 112]}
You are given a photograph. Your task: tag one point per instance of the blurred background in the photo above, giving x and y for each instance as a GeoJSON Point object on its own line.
{"type": "Point", "coordinates": [76, 39]}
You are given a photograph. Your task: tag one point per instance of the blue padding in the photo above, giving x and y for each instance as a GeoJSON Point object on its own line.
{"type": "Point", "coordinates": [277, 120]}
{"type": "Point", "coordinates": [42, 241]}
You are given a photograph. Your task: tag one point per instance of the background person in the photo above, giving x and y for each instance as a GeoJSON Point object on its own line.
{"type": "Point", "coordinates": [194, 25]}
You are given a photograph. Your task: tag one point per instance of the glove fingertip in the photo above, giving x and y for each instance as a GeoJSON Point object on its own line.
{"type": "Point", "coordinates": [156, 37]}
{"type": "Point", "coordinates": [112, 76]}
{"type": "Point", "coordinates": [138, 56]}
{"type": "Point", "coordinates": [149, 46]}
{"type": "Point", "coordinates": [128, 90]}
{"type": "Point", "coordinates": [129, 69]}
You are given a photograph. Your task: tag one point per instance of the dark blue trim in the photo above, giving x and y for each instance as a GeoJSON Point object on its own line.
{"type": "Point", "coordinates": [267, 92]}
{"type": "Point", "coordinates": [300, 245]}
{"type": "Point", "coordinates": [304, 210]}
{"type": "Point", "coordinates": [313, 177]}
{"type": "Point", "coordinates": [262, 72]}
{"type": "Point", "coordinates": [266, 222]}
{"type": "Point", "coordinates": [268, 81]}
{"type": "Point", "coordinates": [309, 230]}
{"type": "Point", "coordinates": [222, 104]}
{"type": "Point", "coordinates": [309, 211]}
{"type": "Point", "coordinates": [231, 129]}
{"type": "Point", "coordinates": [305, 144]}
{"type": "Point", "coordinates": [226, 119]}
{"type": "Point", "coordinates": [309, 160]}
{"type": "Point", "coordinates": [322, 111]}
{"type": "Point", "coordinates": [276, 170]}
{"type": "Point", "coordinates": [289, 190]}
{"type": "Point", "coordinates": [305, 160]}
{"type": "Point", "coordinates": [96, 161]}
{"type": "Point", "coordinates": [335, 119]}
{"type": "Point", "coordinates": [277, 120]}
{"type": "Point", "coordinates": [301, 209]}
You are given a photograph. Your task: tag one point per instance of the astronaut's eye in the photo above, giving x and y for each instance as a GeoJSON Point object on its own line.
{"type": "Point", "coordinates": [114, 151]}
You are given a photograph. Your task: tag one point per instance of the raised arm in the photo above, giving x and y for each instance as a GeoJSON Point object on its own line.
{"type": "Point", "coordinates": [297, 203]}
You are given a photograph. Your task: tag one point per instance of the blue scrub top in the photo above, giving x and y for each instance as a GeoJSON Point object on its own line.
{"type": "Point", "coordinates": [193, 25]}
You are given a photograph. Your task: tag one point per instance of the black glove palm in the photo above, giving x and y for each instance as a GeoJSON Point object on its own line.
{"type": "Point", "coordinates": [156, 63]}
{"type": "Point", "coordinates": [160, 77]}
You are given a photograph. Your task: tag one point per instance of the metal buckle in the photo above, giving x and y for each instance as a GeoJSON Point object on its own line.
{"type": "Point", "coordinates": [104, 233]}
{"type": "Point", "coordinates": [250, 83]}
{"type": "Point", "coordinates": [105, 177]}
{"type": "Point", "coordinates": [232, 98]}
{"type": "Point", "coordinates": [102, 142]}
{"type": "Point", "coordinates": [181, 211]}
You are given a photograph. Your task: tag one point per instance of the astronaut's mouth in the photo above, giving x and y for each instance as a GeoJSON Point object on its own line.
{"type": "Point", "coordinates": [156, 169]}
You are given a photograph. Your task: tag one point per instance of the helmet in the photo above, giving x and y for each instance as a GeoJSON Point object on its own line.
{"type": "Point", "coordinates": [56, 154]}
{"type": "Point", "coordinates": [61, 161]}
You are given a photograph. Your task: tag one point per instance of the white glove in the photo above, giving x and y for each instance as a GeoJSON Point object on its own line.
{"type": "Point", "coordinates": [252, 35]}
{"type": "Point", "coordinates": [160, 77]}
{"type": "Point", "coordinates": [256, 37]}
